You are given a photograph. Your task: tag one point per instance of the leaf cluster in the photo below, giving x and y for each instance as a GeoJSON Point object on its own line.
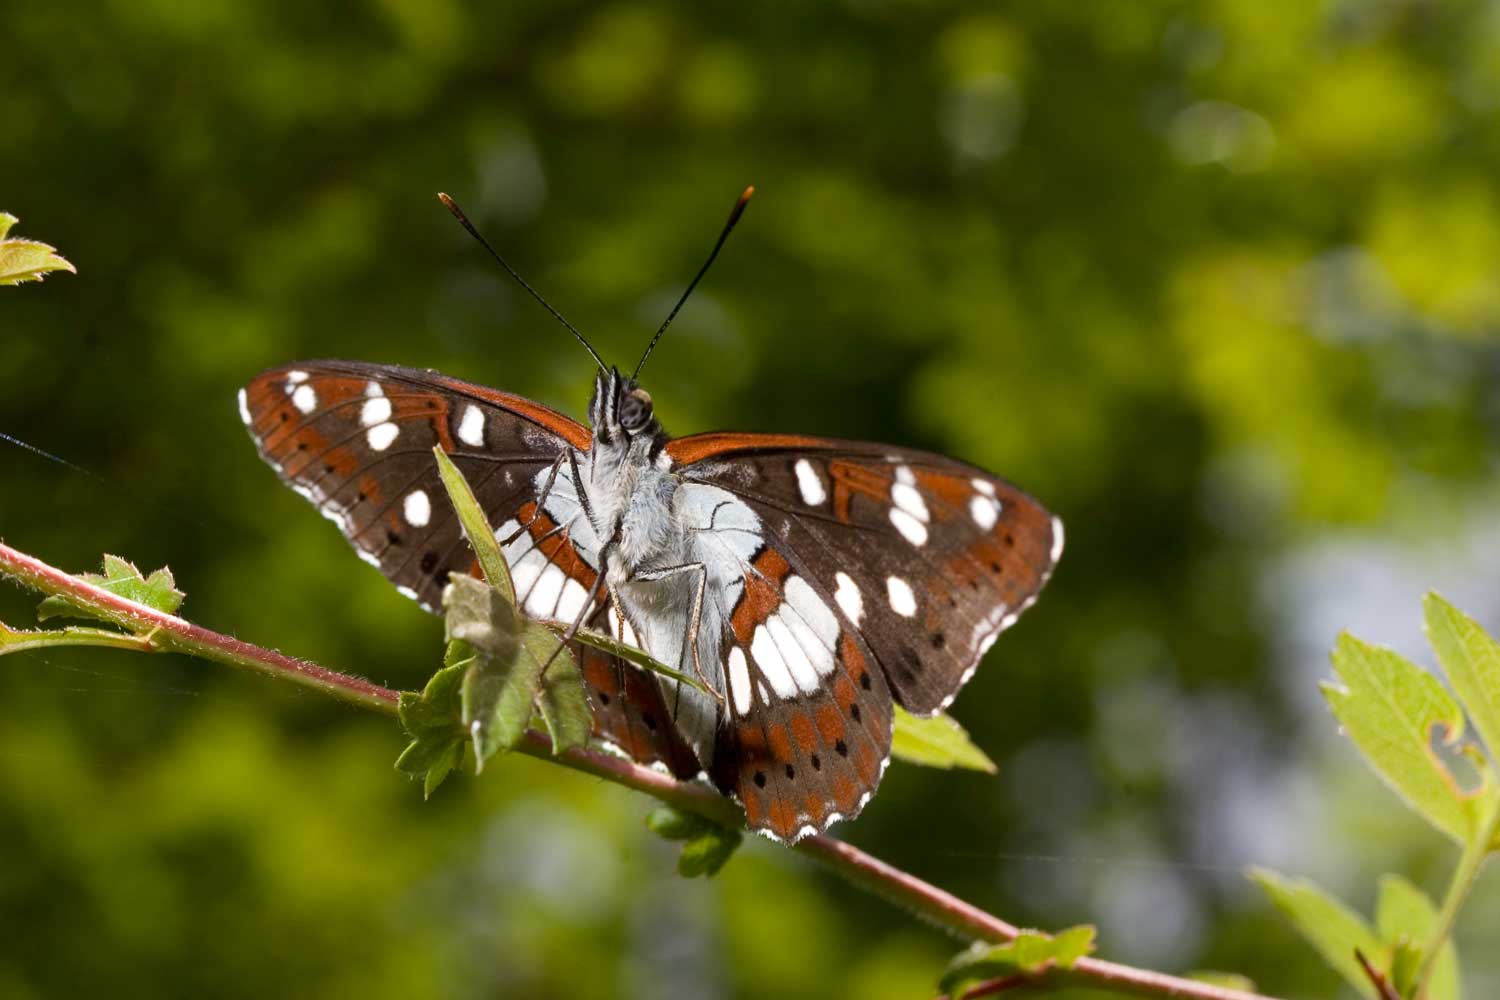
{"type": "Point", "coordinates": [1413, 732]}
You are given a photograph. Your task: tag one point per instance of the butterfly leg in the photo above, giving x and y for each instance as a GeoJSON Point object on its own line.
{"type": "Point", "coordinates": [541, 502]}
{"type": "Point", "coordinates": [695, 617]}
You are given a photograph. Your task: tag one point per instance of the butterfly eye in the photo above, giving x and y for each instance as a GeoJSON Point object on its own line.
{"type": "Point", "coordinates": [635, 409]}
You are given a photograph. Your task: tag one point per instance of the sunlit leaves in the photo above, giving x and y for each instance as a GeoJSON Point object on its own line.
{"type": "Point", "coordinates": [1405, 920]}
{"type": "Point", "coordinates": [706, 845]}
{"type": "Point", "coordinates": [1391, 708]}
{"type": "Point", "coordinates": [1334, 930]}
{"type": "Point", "coordinates": [1471, 660]}
{"type": "Point", "coordinates": [26, 260]}
{"type": "Point", "coordinates": [936, 741]}
{"type": "Point", "coordinates": [1027, 954]}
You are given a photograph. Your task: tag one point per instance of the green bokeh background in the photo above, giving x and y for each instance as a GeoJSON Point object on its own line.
{"type": "Point", "coordinates": [1218, 281]}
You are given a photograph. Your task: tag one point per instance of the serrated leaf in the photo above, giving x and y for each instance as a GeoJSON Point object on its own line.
{"type": "Point", "coordinates": [1028, 953]}
{"type": "Point", "coordinates": [26, 260]}
{"type": "Point", "coordinates": [1334, 930]}
{"type": "Point", "coordinates": [1471, 659]}
{"type": "Point", "coordinates": [432, 720]}
{"type": "Point", "coordinates": [1389, 707]}
{"type": "Point", "coordinates": [936, 741]}
{"type": "Point", "coordinates": [1406, 919]}
{"type": "Point", "coordinates": [561, 700]}
{"type": "Point", "coordinates": [120, 577]}
{"type": "Point", "coordinates": [707, 845]}
{"type": "Point", "coordinates": [476, 526]}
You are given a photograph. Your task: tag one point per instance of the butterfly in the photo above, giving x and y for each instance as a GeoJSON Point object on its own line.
{"type": "Point", "coordinates": [810, 583]}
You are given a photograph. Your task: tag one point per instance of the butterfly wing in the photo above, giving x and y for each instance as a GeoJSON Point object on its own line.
{"type": "Point", "coordinates": [356, 440]}
{"type": "Point", "coordinates": [925, 558]}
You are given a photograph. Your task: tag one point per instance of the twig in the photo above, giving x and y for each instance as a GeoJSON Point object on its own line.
{"type": "Point", "coordinates": [171, 633]}
{"type": "Point", "coordinates": [1382, 985]}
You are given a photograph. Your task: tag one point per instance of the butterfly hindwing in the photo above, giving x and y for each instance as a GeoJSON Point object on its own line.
{"type": "Point", "coordinates": [926, 558]}
{"type": "Point", "coordinates": [806, 732]}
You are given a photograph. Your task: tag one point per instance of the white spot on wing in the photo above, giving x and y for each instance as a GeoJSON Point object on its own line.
{"type": "Point", "coordinates": [849, 599]}
{"type": "Point", "coordinates": [739, 681]}
{"type": "Point", "coordinates": [768, 658]}
{"type": "Point", "coordinates": [294, 379]}
{"type": "Point", "coordinates": [471, 427]}
{"type": "Point", "coordinates": [911, 529]}
{"type": "Point", "coordinates": [985, 511]}
{"type": "Point", "coordinates": [984, 486]}
{"type": "Point", "coordinates": [809, 484]}
{"type": "Point", "coordinates": [304, 399]}
{"type": "Point", "coordinates": [903, 601]}
{"type": "Point", "coordinates": [571, 604]}
{"type": "Point", "coordinates": [376, 410]}
{"type": "Point", "coordinates": [417, 508]}
{"type": "Point", "coordinates": [381, 435]}
{"type": "Point", "coordinates": [793, 653]}
{"type": "Point", "coordinates": [1057, 539]}
{"type": "Point", "coordinates": [905, 476]}
{"type": "Point", "coordinates": [244, 408]}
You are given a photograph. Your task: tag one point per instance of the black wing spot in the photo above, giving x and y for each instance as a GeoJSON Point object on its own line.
{"type": "Point", "coordinates": [791, 772]}
{"type": "Point", "coordinates": [285, 416]}
{"type": "Point", "coordinates": [842, 748]}
{"type": "Point", "coordinates": [995, 567]}
{"type": "Point", "coordinates": [429, 562]}
{"type": "Point", "coordinates": [864, 680]}
{"type": "Point", "coordinates": [760, 779]}
{"type": "Point", "coordinates": [650, 721]}
{"type": "Point", "coordinates": [1010, 539]}
{"type": "Point", "coordinates": [327, 469]}
{"type": "Point", "coordinates": [603, 698]}
{"type": "Point", "coordinates": [301, 445]}
{"type": "Point", "coordinates": [816, 763]}
{"type": "Point", "coordinates": [360, 497]}
{"type": "Point", "coordinates": [854, 712]}
{"type": "Point", "coordinates": [939, 640]}
{"type": "Point", "coordinates": [391, 537]}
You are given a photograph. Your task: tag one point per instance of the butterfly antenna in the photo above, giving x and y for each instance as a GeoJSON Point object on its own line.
{"type": "Point", "coordinates": [734, 216]}
{"type": "Point", "coordinates": [463, 220]}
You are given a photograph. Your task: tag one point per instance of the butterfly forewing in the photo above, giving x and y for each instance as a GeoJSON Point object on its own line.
{"type": "Point", "coordinates": [356, 440]}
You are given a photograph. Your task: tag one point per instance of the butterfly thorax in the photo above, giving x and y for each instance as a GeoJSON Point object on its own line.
{"type": "Point", "coordinates": [628, 482]}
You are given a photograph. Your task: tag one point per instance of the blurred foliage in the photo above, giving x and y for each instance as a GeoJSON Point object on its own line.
{"type": "Point", "coordinates": [1218, 281]}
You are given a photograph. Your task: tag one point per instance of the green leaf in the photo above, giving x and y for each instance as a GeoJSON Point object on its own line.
{"type": "Point", "coordinates": [1028, 953]}
{"type": "Point", "coordinates": [1225, 980]}
{"type": "Point", "coordinates": [1389, 707]}
{"type": "Point", "coordinates": [1406, 919]}
{"type": "Point", "coordinates": [120, 577]}
{"type": "Point", "coordinates": [937, 741]}
{"type": "Point", "coordinates": [497, 691]}
{"type": "Point", "coordinates": [476, 526]}
{"type": "Point", "coordinates": [707, 844]}
{"type": "Point", "coordinates": [1471, 660]}
{"type": "Point", "coordinates": [26, 260]}
{"type": "Point", "coordinates": [17, 640]}
{"type": "Point", "coordinates": [1334, 930]}
{"type": "Point", "coordinates": [432, 720]}
{"type": "Point", "coordinates": [563, 704]}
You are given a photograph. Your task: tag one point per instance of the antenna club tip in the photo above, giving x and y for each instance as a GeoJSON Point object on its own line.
{"type": "Point", "coordinates": [739, 206]}
{"type": "Point", "coordinates": [443, 197]}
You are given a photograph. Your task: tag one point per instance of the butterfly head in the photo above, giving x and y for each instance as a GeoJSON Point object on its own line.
{"type": "Point", "coordinates": [621, 411]}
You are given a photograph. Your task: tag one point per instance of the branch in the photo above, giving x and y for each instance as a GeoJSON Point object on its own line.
{"type": "Point", "coordinates": [157, 631]}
